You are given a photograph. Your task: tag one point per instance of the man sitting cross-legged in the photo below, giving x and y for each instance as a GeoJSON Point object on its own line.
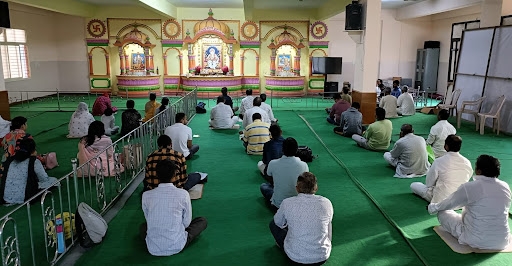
{"type": "Point", "coordinates": [483, 223]}
{"type": "Point", "coordinates": [446, 174]}
{"type": "Point", "coordinates": [246, 103]}
{"type": "Point", "coordinates": [267, 108]}
{"type": "Point", "coordinates": [409, 155]}
{"type": "Point", "coordinates": [405, 103]}
{"type": "Point", "coordinates": [283, 173]}
{"type": "Point", "coordinates": [302, 227]}
{"type": "Point", "coordinates": [389, 103]}
{"type": "Point", "coordinates": [337, 109]}
{"type": "Point", "coordinates": [351, 122]}
{"type": "Point", "coordinates": [378, 135]}
{"type": "Point", "coordinates": [256, 135]}
{"type": "Point", "coordinates": [165, 152]}
{"type": "Point", "coordinates": [222, 117]}
{"type": "Point", "coordinates": [439, 132]}
{"type": "Point", "coordinates": [272, 149]}
{"type": "Point", "coordinates": [255, 109]}
{"type": "Point", "coordinates": [181, 136]}
{"type": "Point", "coordinates": [169, 226]}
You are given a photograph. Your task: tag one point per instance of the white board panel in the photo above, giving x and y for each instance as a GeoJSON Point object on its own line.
{"type": "Point", "coordinates": [501, 58]}
{"type": "Point", "coordinates": [471, 89]}
{"type": "Point", "coordinates": [474, 53]}
{"type": "Point", "coordinates": [493, 90]}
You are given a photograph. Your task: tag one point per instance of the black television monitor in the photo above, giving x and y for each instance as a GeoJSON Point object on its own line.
{"type": "Point", "coordinates": [326, 65]}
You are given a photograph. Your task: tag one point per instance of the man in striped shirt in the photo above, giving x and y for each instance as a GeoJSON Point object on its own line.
{"type": "Point", "coordinates": [165, 152]}
{"type": "Point", "coordinates": [256, 135]}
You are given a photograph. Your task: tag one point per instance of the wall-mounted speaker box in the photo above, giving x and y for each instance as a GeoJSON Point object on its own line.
{"type": "Point", "coordinates": [330, 88]}
{"type": "Point", "coordinates": [354, 16]}
{"type": "Point", "coordinates": [5, 21]}
{"type": "Point", "coordinates": [431, 44]}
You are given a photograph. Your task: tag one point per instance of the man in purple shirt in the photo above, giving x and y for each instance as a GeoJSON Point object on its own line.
{"type": "Point", "coordinates": [337, 108]}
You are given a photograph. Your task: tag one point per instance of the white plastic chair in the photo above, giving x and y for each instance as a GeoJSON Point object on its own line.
{"type": "Point", "coordinates": [452, 103]}
{"type": "Point", "coordinates": [474, 109]}
{"type": "Point", "coordinates": [494, 113]}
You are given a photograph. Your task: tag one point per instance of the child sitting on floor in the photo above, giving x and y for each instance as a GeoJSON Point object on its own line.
{"type": "Point", "coordinates": [108, 120]}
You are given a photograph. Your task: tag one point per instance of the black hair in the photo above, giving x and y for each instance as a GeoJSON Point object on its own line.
{"type": "Point", "coordinates": [306, 183]}
{"type": "Point", "coordinates": [248, 92]}
{"type": "Point", "coordinates": [397, 82]}
{"type": "Point", "coordinates": [165, 102]}
{"type": "Point", "coordinates": [17, 122]}
{"type": "Point", "coordinates": [406, 129]}
{"type": "Point", "coordinates": [379, 80]}
{"type": "Point", "coordinates": [405, 88]}
{"type": "Point", "coordinates": [24, 149]}
{"type": "Point", "coordinates": [387, 91]}
{"type": "Point", "coordinates": [263, 97]}
{"type": "Point", "coordinates": [290, 147]}
{"type": "Point", "coordinates": [356, 105]}
{"type": "Point", "coordinates": [256, 101]}
{"type": "Point", "coordinates": [444, 114]}
{"type": "Point", "coordinates": [381, 86]}
{"type": "Point", "coordinates": [152, 96]}
{"type": "Point", "coordinates": [488, 165]}
{"type": "Point", "coordinates": [179, 117]}
{"type": "Point", "coordinates": [380, 113]}
{"type": "Point", "coordinates": [220, 99]}
{"type": "Point", "coordinates": [130, 104]}
{"type": "Point", "coordinates": [96, 129]}
{"type": "Point", "coordinates": [336, 96]}
{"type": "Point", "coordinates": [256, 116]}
{"type": "Point", "coordinates": [275, 131]}
{"type": "Point", "coordinates": [345, 90]}
{"type": "Point", "coordinates": [108, 111]}
{"type": "Point", "coordinates": [453, 142]}
{"type": "Point", "coordinates": [224, 91]}
{"type": "Point", "coordinates": [163, 141]}
{"type": "Point", "coordinates": [165, 170]}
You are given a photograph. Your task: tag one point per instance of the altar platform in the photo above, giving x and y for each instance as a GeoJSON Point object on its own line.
{"type": "Point", "coordinates": [206, 85]}
{"type": "Point", "coordinates": [137, 86]}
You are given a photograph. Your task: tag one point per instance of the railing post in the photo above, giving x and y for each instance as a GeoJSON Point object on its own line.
{"type": "Point", "coordinates": [58, 98]}
{"type": "Point", "coordinates": [75, 179]}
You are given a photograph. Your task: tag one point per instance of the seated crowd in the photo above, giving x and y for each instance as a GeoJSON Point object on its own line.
{"type": "Point", "coordinates": [302, 222]}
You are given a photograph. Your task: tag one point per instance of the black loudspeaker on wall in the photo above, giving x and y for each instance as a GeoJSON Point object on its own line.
{"type": "Point", "coordinates": [354, 16]}
{"type": "Point", "coordinates": [5, 21]}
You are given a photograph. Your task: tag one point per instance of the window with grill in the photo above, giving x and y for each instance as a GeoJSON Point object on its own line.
{"type": "Point", "coordinates": [13, 50]}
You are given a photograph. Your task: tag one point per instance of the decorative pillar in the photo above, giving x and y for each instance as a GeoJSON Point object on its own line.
{"type": "Point", "coordinates": [296, 69]}
{"type": "Point", "coordinates": [146, 55]}
{"type": "Point", "coordinates": [180, 56]}
{"type": "Point", "coordinates": [121, 60]}
{"type": "Point", "coordinates": [241, 65]}
{"type": "Point", "coordinates": [273, 48]}
{"type": "Point", "coordinates": [165, 65]}
{"type": "Point", "coordinates": [151, 67]}
{"type": "Point", "coordinates": [257, 65]}
{"type": "Point", "coordinates": [297, 58]}
{"type": "Point", "coordinates": [91, 71]}
{"type": "Point", "coordinates": [230, 53]}
{"type": "Point", "coordinates": [191, 59]}
{"type": "Point", "coordinates": [107, 61]}
{"type": "Point", "coordinates": [310, 66]}
{"type": "Point", "coordinates": [127, 63]}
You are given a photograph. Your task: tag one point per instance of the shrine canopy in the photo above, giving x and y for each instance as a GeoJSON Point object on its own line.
{"type": "Point", "coordinates": [211, 26]}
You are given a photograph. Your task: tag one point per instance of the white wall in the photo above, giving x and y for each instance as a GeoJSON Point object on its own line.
{"type": "Point", "coordinates": [54, 42]}
{"type": "Point", "coordinates": [341, 45]}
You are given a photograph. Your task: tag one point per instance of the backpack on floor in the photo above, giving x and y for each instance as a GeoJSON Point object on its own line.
{"type": "Point", "coordinates": [200, 108]}
{"type": "Point", "coordinates": [305, 154]}
{"type": "Point", "coordinates": [90, 226]}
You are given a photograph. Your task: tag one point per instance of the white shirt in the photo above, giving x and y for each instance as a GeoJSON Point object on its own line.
{"type": "Point", "coordinates": [109, 122]}
{"type": "Point", "coordinates": [5, 127]}
{"type": "Point", "coordinates": [268, 108]}
{"type": "Point", "coordinates": [246, 104]}
{"type": "Point", "coordinates": [180, 134]}
{"type": "Point", "coordinates": [411, 152]}
{"type": "Point", "coordinates": [285, 171]}
{"type": "Point", "coordinates": [446, 175]}
{"type": "Point", "coordinates": [221, 116]}
{"type": "Point", "coordinates": [438, 134]}
{"type": "Point", "coordinates": [168, 212]}
{"type": "Point", "coordinates": [486, 202]}
{"type": "Point", "coordinates": [406, 104]}
{"type": "Point", "coordinates": [248, 116]}
{"type": "Point", "coordinates": [389, 103]}
{"type": "Point", "coordinates": [309, 221]}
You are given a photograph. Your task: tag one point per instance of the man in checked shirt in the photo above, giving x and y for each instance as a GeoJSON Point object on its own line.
{"type": "Point", "coordinates": [165, 152]}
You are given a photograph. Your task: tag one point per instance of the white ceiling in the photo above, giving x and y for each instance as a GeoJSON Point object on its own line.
{"type": "Point", "coordinates": [391, 4]}
{"type": "Point", "coordinates": [110, 2]}
{"type": "Point", "coordinates": [208, 3]}
{"type": "Point", "coordinates": [287, 4]}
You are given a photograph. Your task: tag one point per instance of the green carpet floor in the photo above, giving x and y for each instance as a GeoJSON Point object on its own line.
{"type": "Point", "coordinates": [238, 218]}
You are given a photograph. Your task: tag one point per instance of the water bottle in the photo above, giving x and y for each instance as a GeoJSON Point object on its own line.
{"type": "Point", "coordinates": [61, 245]}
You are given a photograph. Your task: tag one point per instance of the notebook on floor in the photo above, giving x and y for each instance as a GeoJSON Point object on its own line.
{"type": "Point", "coordinates": [196, 192]}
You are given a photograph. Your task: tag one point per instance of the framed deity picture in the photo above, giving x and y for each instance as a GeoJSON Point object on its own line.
{"type": "Point", "coordinates": [284, 63]}
{"type": "Point", "coordinates": [212, 56]}
{"type": "Point", "coordinates": [138, 61]}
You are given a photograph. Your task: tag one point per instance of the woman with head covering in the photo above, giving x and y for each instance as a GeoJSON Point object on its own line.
{"type": "Point", "coordinates": [80, 121]}
{"type": "Point", "coordinates": [18, 127]}
{"type": "Point", "coordinates": [97, 144]}
{"type": "Point", "coordinates": [25, 174]}
{"type": "Point", "coordinates": [102, 102]}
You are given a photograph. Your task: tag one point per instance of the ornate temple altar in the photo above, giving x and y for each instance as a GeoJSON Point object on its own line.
{"type": "Point", "coordinates": [132, 57]}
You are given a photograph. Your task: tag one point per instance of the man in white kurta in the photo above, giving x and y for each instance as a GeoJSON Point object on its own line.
{"type": "Point", "coordinates": [483, 223]}
{"type": "Point", "coordinates": [389, 103]}
{"type": "Point", "coordinates": [439, 132]}
{"type": "Point", "coordinates": [405, 103]}
{"type": "Point", "coordinates": [446, 174]}
{"type": "Point", "coordinates": [409, 155]}
{"type": "Point", "coordinates": [221, 116]}
{"type": "Point", "coordinates": [255, 109]}
{"type": "Point", "coordinates": [246, 103]}
{"type": "Point", "coordinates": [267, 108]}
